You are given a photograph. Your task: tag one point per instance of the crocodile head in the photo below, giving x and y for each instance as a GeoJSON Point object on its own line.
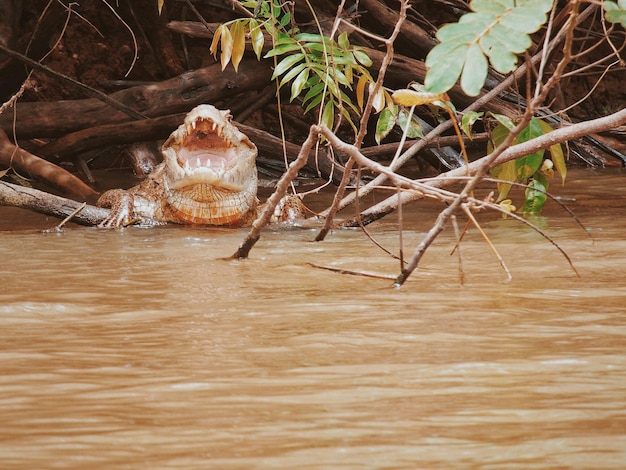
{"type": "Point", "coordinates": [210, 169]}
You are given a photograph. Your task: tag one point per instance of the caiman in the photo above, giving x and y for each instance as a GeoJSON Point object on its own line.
{"type": "Point", "coordinates": [208, 176]}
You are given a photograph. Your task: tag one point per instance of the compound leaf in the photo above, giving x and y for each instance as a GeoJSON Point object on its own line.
{"type": "Point", "coordinates": [497, 29]}
{"type": "Point", "coordinates": [616, 12]}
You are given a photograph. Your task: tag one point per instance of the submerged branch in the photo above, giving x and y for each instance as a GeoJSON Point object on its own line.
{"type": "Point", "coordinates": [50, 204]}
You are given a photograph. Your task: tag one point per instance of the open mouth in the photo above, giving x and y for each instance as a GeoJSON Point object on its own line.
{"type": "Point", "coordinates": [204, 147]}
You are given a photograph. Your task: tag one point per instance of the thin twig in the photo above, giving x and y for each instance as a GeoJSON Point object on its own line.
{"type": "Point", "coordinates": [68, 218]}
{"type": "Point", "coordinates": [468, 212]}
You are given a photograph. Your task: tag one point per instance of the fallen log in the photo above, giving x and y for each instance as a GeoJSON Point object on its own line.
{"type": "Point", "coordinates": [176, 95]}
{"type": "Point", "coordinates": [49, 204]}
{"type": "Point", "coordinates": [25, 162]}
{"type": "Point", "coordinates": [112, 134]}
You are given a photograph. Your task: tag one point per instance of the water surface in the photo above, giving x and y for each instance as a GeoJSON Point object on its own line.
{"type": "Point", "coordinates": [141, 348]}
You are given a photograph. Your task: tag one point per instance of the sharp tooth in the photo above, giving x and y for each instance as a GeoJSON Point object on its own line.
{"type": "Point", "coordinates": [186, 165]}
{"type": "Point", "coordinates": [193, 124]}
{"type": "Point", "coordinates": [198, 162]}
{"type": "Point", "coordinates": [222, 165]}
{"type": "Point", "coordinates": [208, 163]}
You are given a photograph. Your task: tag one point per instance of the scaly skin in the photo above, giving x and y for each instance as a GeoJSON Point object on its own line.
{"type": "Point", "coordinates": [208, 176]}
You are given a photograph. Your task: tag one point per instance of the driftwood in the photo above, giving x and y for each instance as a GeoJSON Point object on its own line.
{"type": "Point", "coordinates": [49, 204]}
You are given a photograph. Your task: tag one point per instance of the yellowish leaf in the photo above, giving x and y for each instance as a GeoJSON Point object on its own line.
{"type": "Point", "coordinates": [360, 90]}
{"type": "Point", "coordinates": [507, 172]}
{"type": "Point", "coordinates": [256, 35]}
{"type": "Point", "coordinates": [238, 34]}
{"type": "Point", "coordinates": [227, 47]}
{"type": "Point", "coordinates": [379, 99]}
{"type": "Point", "coordinates": [508, 207]}
{"type": "Point", "coordinates": [414, 98]}
{"type": "Point", "coordinates": [216, 40]}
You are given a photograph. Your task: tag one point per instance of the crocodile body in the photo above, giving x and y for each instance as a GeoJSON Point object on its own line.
{"type": "Point", "coordinates": [208, 176]}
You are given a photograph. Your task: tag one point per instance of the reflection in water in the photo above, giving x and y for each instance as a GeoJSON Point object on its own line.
{"type": "Point", "coordinates": [141, 349]}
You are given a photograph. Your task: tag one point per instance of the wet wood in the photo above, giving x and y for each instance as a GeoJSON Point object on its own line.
{"type": "Point", "coordinates": [112, 134]}
{"type": "Point", "coordinates": [410, 33]}
{"type": "Point", "coordinates": [50, 204]}
{"type": "Point", "coordinates": [272, 147]}
{"type": "Point", "coordinates": [28, 164]}
{"type": "Point", "coordinates": [176, 95]}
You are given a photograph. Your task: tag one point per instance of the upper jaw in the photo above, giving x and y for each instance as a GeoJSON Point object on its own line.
{"type": "Point", "coordinates": [205, 148]}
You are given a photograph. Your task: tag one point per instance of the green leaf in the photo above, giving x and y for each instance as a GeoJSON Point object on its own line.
{"type": "Point", "coordinates": [445, 65]}
{"type": "Point", "coordinates": [341, 78]}
{"type": "Point", "coordinates": [283, 49]}
{"type": "Point", "coordinates": [386, 122]}
{"type": "Point", "coordinates": [468, 120]}
{"type": "Point", "coordinates": [298, 84]}
{"type": "Point", "coordinates": [413, 128]}
{"type": "Point", "coordinates": [343, 41]}
{"type": "Point", "coordinates": [506, 121]}
{"type": "Point", "coordinates": [286, 64]}
{"type": "Point", "coordinates": [535, 197]}
{"type": "Point", "coordinates": [556, 152]}
{"type": "Point", "coordinates": [615, 13]}
{"type": "Point", "coordinates": [285, 19]}
{"type": "Point", "coordinates": [497, 8]}
{"type": "Point", "coordinates": [474, 71]}
{"type": "Point", "coordinates": [292, 73]}
{"type": "Point", "coordinates": [362, 57]}
{"type": "Point", "coordinates": [527, 166]}
{"type": "Point", "coordinates": [315, 90]}
{"type": "Point", "coordinates": [328, 115]}
{"type": "Point", "coordinates": [310, 37]}
{"type": "Point", "coordinates": [314, 102]}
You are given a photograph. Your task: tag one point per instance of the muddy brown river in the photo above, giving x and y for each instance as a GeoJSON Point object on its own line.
{"type": "Point", "coordinates": [141, 348]}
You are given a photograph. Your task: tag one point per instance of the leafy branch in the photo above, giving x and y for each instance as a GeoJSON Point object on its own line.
{"type": "Point", "coordinates": [320, 69]}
